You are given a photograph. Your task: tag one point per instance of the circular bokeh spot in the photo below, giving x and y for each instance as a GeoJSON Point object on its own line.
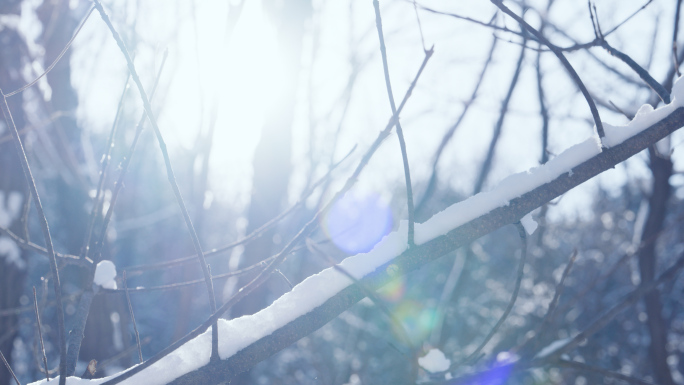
{"type": "Point", "coordinates": [357, 221]}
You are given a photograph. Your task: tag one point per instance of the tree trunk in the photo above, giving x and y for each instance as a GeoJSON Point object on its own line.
{"type": "Point", "coordinates": [657, 205]}
{"type": "Point", "coordinates": [272, 164]}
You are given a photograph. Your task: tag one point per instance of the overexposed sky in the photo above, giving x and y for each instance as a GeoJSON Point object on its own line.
{"type": "Point", "coordinates": [239, 77]}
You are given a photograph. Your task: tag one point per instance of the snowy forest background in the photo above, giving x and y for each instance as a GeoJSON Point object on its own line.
{"type": "Point", "coordinates": [267, 107]}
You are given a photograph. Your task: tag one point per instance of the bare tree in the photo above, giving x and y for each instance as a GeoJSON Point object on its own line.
{"type": "Point", "coordinates": [453, 281]}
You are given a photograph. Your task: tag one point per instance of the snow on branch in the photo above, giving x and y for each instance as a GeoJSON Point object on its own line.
{"type": "Point", "coordinates": [247, 340]}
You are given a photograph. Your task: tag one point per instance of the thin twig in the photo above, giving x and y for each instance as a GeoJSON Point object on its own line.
{"type": "Point", "coordinates": [620, 110]}
{"type": "Point", "coordinates": [54, 63]}
{"type": "Point", "coordinates": [573, 74]}
{"type": "Point", "coordinates": [40, 333]}
{"type": "Point", "coordinates": [489, 158]}
{"type": "Point", "coordinates": [63, 258]}
{"type": "Point", "coordinates": [471, 20]}
{"type": "Point", "coordinates": [594, 43]}
{"type": "Point", "coordinates": [543, 111]}
{"type": "Point", "coordinates": [557, 293]}
{"type": "Point", "coordinates": [643, 74]}
{"type": "Point", "coordinates": [550, 312]}
{"type": "Point", "coordinates": [130, 310]}
{"type": "Point", "coordinates": [98, 200]}
{"type": "Point", "coordinates": [598, 23]}
{"type": "Point", "coordinates": [61, 331]}
{"type": "Point", "coordinates": [400, 131]}
{"type": "Point", "coordinates": [627, 301]}
{"type": "Point", "coordinates": [420, 26]}
{"type": "Point", "coordinates": [170, 175]}
{"type": "Point", "coordinates": [253, 235]}
{"type": "Point", "coordinates": [284, 278]}
{"type": "Point", "coordinates": [29, 128]}
{"type": "Point", "coordinates": [674, 37]}
{"type": "Point", "coordinates": [628, 18]}
{"type": "Point", "coordinates": [451, 284]}
{"type": "Point", "coordinates": [511, 302]}
{"type": "Point", "coordinates": [180, 285]}
{"type": "Point", "coordinates": [603, 277]}
{"type": "Point", "coordinates": [125, 164]}
{"type": "Point", "coordinates": [9, 368]}
{"type": "Point", "coordinates": [103, 364]}
{"type": "Point", "coordinates": [432, 182]}
{"type": "Point", "coordinates": [593, 22]}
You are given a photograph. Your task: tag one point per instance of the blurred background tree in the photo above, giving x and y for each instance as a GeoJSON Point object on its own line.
{"type": "Point", "coordinates": [259, 100]}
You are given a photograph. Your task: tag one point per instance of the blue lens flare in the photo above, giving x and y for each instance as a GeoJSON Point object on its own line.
{"type": "Point", "coordinates": [498, 375]}
{"type": "Point", "coordinates": [358, 221]}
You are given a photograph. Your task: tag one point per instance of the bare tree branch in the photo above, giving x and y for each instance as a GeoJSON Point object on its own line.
{"type": "Point", "coordinates": [422, 254]}
{"type": "Point", "coordinates": [573, 74]}
{"type": "Point", "coordinates": [400, 131]}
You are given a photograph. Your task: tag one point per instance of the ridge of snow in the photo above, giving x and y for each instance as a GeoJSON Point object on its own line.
{"type": "Point", "coordinates": [238, 333]}
{"type": "Point", "coordinates": [645, 117]}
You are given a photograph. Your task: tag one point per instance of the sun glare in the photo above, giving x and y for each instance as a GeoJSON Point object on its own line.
{"type": "Point", "coordinates": [229, 80]}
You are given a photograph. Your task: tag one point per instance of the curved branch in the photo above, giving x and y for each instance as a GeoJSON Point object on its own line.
{"type": "Point", "coordinates": [643, 74]}
{"type": "Point", "coordinates": [400, 131]}
{"type": "Point", "coordinates": [573, 74]}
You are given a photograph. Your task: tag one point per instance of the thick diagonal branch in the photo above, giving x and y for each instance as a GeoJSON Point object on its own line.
{"type": "Point", "coordinates": [417, 257]}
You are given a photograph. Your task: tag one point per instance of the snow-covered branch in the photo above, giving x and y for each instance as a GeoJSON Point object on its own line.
{"type": "Point", "coordinates": [248, 340]}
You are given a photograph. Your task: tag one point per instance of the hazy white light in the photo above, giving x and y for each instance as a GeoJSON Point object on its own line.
{"type": "Point", "coordinates": [235, 78]}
